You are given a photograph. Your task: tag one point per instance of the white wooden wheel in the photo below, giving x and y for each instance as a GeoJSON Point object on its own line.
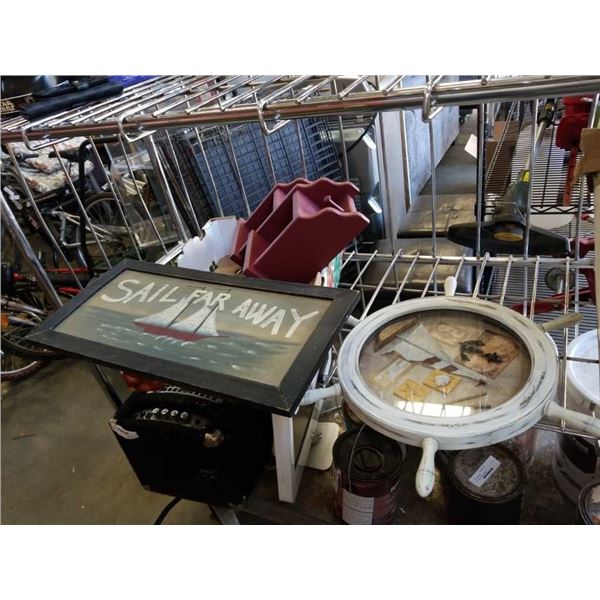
{"type": "Point", "coordinates": [514, 414]}
{"type": "Point", "coordinates": [481, 429]}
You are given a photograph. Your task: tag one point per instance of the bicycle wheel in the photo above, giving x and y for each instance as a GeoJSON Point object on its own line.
{"type": "Point", "coordinates": [14, 366]}
{"type": "Point", "coordinates": [18, 320]}
{"type": "Point", "coordinates": [106, 219]}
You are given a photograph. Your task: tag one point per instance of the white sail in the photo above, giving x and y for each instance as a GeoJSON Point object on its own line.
{"type": "Point", "coordinates": [165, 317]}
{"type": "Point", "coordinates": [202, 322]}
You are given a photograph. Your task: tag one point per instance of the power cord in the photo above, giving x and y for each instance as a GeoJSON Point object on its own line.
{"type": "Point", "coordinates": [165, 511]}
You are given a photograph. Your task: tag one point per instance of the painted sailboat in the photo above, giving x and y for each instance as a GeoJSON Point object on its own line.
{"type": "Point", "coordinates": [197, 326]}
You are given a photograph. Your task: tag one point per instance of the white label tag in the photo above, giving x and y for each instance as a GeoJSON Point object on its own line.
{"type": "Point", "coordinates": [357, 510]}
{"type": "Point", "coordinates": [485, 471]}
{"type": "Point", "coordinates": [471, 146]}
{"type": "Point", "coordinates": [124, 433]}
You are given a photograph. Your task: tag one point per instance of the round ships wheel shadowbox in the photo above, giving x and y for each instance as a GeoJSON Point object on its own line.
{"type": "Point", "coordinates": [452, 373]}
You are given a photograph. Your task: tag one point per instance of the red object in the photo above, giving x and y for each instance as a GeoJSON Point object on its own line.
{"type": "Point", "coordinates": [570, 175]}
{"type": "Point", "coordinates": [275, 197]}
{"type": "Point", "coordinates": [141, 384]}
{"type": "Point", "coordinates": [291, 236]}
{"type": "Point", "coordinates": [557, 301]}
{"type": "Point", "coordinates": [575, 118]}
{"type": "Point", "coordinates": [568, 134]}
{"type": "Point", "coordinates": [68, 291]}
{"type": "Point", "coordinates": [186, 336]}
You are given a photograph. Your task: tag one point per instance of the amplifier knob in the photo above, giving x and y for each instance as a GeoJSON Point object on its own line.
{"type": "Point", "coordinates": [164, 412]}
{"type": "Point", "coordinates": [184, 416]}
{"type": "Point", "coordinates": [174, 414]}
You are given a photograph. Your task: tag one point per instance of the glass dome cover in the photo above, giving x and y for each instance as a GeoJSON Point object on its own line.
{"type": "Point", "coordinates": [444, 363]}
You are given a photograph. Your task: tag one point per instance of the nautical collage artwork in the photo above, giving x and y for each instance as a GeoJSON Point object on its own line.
{"type": "Point", "coordinates": [252, 334]}
{"type": "Point", "coordinates": [444, 363]}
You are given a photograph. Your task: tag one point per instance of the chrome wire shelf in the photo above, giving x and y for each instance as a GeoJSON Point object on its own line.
{"type": "Point", "coordinates": [191, 101]}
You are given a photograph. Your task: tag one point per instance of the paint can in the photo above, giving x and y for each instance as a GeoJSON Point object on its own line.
{"type": "Point", "coordinates": [523, 446]}
{"type": "Point", "coordinates": [576, 459]}
{"type": "Point", "coordinates": [583, 386]}
{"type": "Point", "coordinates": [575, 463]}
{"type": "Point", "coordinates": [366, 470]}
{"type": "Point", "coordinates": [485, 486]}
{"type": "Point", "coordinates": [588, 504]}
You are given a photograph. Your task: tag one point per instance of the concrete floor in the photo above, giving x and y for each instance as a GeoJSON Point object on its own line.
{"type": "Point", "coordinates": [61, 463]}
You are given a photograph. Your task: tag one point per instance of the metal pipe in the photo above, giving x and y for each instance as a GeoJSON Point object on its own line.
{"type": "Point", "coordinates": [433, 188]}
{"type": "Point", "coordinates": [535, 140]}
{"type": "Point", "coordinates": [301, 146]}
{"type": "Point", "coordinates": [237, 99]}
{"type": "Point", "coordinates": [352, 86]}
{"type": "Point", "coordinates": [284, 90]}
{"type": "Point", "coordinates": [342, 140]}
{"type": "Point", "coordinates": [406, 277]}
{"type": "Point", "coordinates": [95, 109]}
{"type": "Point", "coordinates": [153, 95]}
{"type": "Point", "coordinates": [217, 97]}
{"type": "Point", "coordinates": [380, 285]}
{"type": "Point", "coordinates": [505, 284]}
{"type": "Point", "coordinates": [431, 278]}
{"type": "Point", "coordinates": [392, 84]}
{"type": "Point", "coordinates": [481, 119]}
{"type": "Point", "coordinates": [117, 197]}
{"type": "Point", "coordinates": [164, 184]}
{"type": "Point", "coordinates": [139, 195]}
{"type": "Point", "coordinates": [404, 147]}
{"type": "Point", "coordinates": [314, 89]}
{"type": "Point", "coordinates": [197, 227]}
{"type": "Point", "coordinates": [492, 261]}
{"type": "Point", "coordinates": [445, 94]}
{"type": "Point", "coordinates": [210, 174]}
{"type": "Point", "coordinates": [203, 81]}
{"type": "Point", "coordinates": [486, 256]}
{"type": "Point", "coordinates": [20, 239]}
{"type": "Point", "coordinates": [236, 168]}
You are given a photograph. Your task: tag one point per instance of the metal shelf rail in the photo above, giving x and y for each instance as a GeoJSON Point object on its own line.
{"type": "Point", "coordinates": [146, 112]}
{"type": "Point", "coordinates": [173, 102]}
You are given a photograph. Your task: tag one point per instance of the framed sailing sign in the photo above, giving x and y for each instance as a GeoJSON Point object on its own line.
{"type": "Point", "coordinates": [253, 340]}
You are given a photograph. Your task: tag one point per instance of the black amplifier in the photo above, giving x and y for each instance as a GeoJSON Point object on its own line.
{"type": "Point", "coordinates": [186, 446]}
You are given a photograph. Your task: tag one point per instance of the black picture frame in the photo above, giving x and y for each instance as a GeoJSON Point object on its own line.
{"type": "Point", "coordinates": [282, 399]}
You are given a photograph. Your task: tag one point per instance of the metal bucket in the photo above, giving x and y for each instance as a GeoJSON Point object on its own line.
{"type": "Point", "coordinates": [575, 463]}
{"type": "Point", "coordinates": [485, 486]}
{"type": "Point", "coordinates": [366, 467]}
{"type": "Point", "coordinates": [576, 460]}
{"type": "Point", "coordinates": [588, 504]}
